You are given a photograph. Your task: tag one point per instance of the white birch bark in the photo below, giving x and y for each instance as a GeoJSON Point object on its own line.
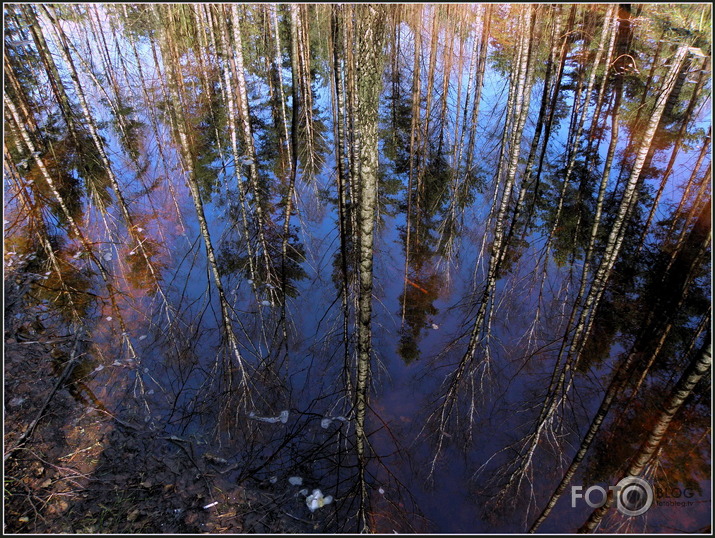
{"type": "Point", "coordinates": [249, 147]}
{"type": "Point", "coordinates": [697, 368]}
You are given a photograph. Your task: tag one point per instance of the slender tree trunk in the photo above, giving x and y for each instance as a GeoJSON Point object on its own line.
{"type": "Point", "coordinates": [527, 182]}
{"type": "Point", "coordinates": [447, 55]}
{"type": "Point", "coordinates": [423, 147]}
{"type": "Point", "coordinates": [74, 227]}
{"type": "Point", "coordinates": [291, 185]}
{"type": "Point", "coordinates": [478, 85]}
{"type": "Point", "coordinates": [657, 328]}
{"type": "Point", "coordinates": [155, 130]}
{"type": "Point", "coordinates": [229, 100]}
{"type": "Point", "coordinates": [339, 135]}
{"type": "Point", "coordinates": [353, 128]}
{"type": "Point", "coordinates": [580, 121]}
{"type": "Point", "coordinates": [522, 92]}
{"type": "Point", "coordinates": [615, 238]}
{"type": "Point", "coordinates": [674, 154]}
{"type": "Point", "coordinates": [395, 71]}
{"type": "Point", "coordinates": [53, 75]}
{"type": "Point", "coordinates": [370, 37]}
{"type": "Point", "coordinates": [556, 93]}
{"type": "Point", "coordinates": [507, 137]}
{"type": "Point", "coordinates": [458, 126]}
{"type": "Point", "coordinates": [306, 84]}
{"type": "Point", "coordinates": [415, 161]}
{"type": "Point", "coordinates": [205, 29]}
{"type": "Point", "coordinates": [691, 182]}
{"type": "Point", "coordinates": [278, 68]}
{"type": "Point", "coordinates": [698, 367]}
{"type": "Point", "coordinates": [301, 56]}
{"type": "Point", "coordinates": [187, 160]}
{"type": "Point", "coordinates": [91, 124]}
{"type": "Point", "coordinates": [613, 21]}
{"type": "Point", "coordinates": [472, 68]}
{"type": "Point", "coordinates": [247, 139]}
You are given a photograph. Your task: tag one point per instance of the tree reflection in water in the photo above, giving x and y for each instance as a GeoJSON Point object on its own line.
{"type": "Point", "coordinates": [463, 250]}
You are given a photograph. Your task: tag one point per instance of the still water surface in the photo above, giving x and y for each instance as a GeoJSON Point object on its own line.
{"type": "Point", "coordinates": [176, 381]}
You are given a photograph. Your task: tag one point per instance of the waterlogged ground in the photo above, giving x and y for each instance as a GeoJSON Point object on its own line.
{"type": "Point", "coordinates": [84, 470]}
{"type": "Point", "coordinates": [141, 418]}
{"type": "Point", "coordinates": [132, 445]}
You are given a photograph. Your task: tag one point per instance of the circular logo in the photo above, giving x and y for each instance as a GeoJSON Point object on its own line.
{"type": "Point", "coordinates": [634, 496]}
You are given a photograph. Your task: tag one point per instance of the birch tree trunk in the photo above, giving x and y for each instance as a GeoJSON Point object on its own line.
{"type": "Point", "coordinates": [415, 135]}
{"type": "Point", "coordinates": [674, 154]}
{"type": "Point", "coordinates": [423, 147]}
{"type": "Point", "coordinates": [478, 85]}
{"type": "Point", "coordinates": [101, 150]}
{"type": "Point", "coordinates": [580, 121]}
{"type": "Point", "coordinates": [522, 93]}
{"type": "Point", "coordinates": [53, 74]}
{"type": "Point", "coordinates": [186, 157]}
{"type": "Point", "coordinates": [336, 21]}
{"type": "Point", "coordinates": [38, 228]}
{"type": "Point", "coordinates": [74, 227]}
{"type": "Point", "coordinates": [248, 145]}
{"type": "Point", "coordinates": [606, 77]}
{"type": "Point", "coordinates": [278, 67]}
{"type": "Point", "coordinates": [571, 348]}
{"type": "Point", "coordinates": [447, 56]}
{"type": "Point", "coordinates": [155, 130]}
{"type": "Point", "coordinates": [556, 92]}
{"type": "Point", "coordinates": [698, 367]}
{"type": "Point", "coordinates": [657, 327]}
{"type": "Point", "coordinates": [300, 62]}
{"type": "Point", "coordinates": [615, 238]}
{"type": "Point", "coordinates": [370, 36]}
{"type": "Point", "coordinates": [527, 181]}
{"type": "Point", "coordinates": [472, 70]}
{"type": "Point", "coordinates": [230, 102]}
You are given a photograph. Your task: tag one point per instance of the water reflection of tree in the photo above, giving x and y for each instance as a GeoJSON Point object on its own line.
{"type": "Point", "coordinates": [422, 279]}
{"type": "Point", "coordinates": [658, 325]}
{"type": "Point", "coordinates": [65, 285]}
{"type": "Point", "coordinates": [651, 450]}
{"type": "Point", "coordinates": [677, 304]}
{"type": "Point", "coordinates": [472, 370]}
{"type": "Point", "coordinates": [78, 130]}
{"type": "Point", "coordinates": [570, 353]}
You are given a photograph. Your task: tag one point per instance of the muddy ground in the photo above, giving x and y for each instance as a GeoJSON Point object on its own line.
{"type": "Point", "coordinates": [83, 470]}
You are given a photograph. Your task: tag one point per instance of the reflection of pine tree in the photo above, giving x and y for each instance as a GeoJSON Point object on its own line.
{"type": "Point", "coordinates": [210, 82]}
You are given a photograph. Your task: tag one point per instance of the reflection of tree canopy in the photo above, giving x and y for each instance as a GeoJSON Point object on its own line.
{"type": "Point", "coordinates": [206, 191]}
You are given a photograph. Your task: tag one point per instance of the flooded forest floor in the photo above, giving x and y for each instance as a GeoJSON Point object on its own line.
{"type": "Point", "coordinates": [83, 470]}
